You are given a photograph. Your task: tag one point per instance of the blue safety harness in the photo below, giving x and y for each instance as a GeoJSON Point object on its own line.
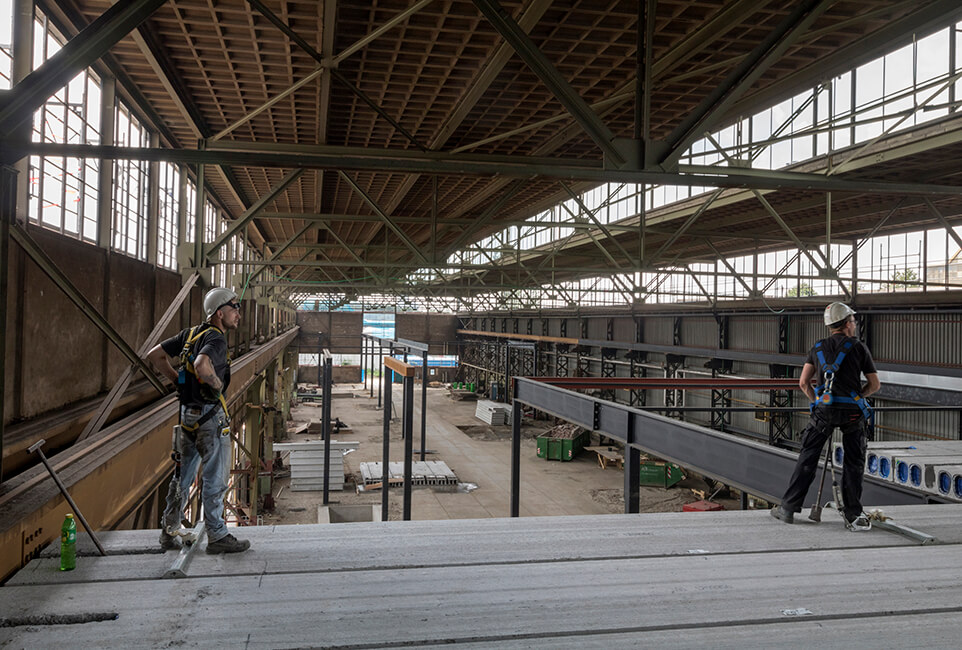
{"type": "Point", "coordinates": [823, 392]}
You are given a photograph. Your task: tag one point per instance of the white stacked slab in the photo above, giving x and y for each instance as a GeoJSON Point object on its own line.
{"type": "Point", "coordinates": [880, 455]}
{"type": "Point", "coordinates": [494, 413]}
{"type": "Point", "coordinates": [948, 481]}
{"type": "Point", "coordinates": [914, 464]}
{"type": "Point", "coordinates": [426, 472]}
{"type": "Point", "coordinates": [307, 464]}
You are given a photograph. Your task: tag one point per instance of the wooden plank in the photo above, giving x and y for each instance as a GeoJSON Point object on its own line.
{"type": "Point", "coordinates": [398, 366]}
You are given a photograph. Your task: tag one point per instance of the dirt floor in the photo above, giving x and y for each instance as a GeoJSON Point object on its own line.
{"type": "Point", "coordinates": [479, 455]}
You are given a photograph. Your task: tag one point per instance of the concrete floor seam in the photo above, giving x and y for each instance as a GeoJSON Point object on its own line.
{"type": "Point", "coordinates": [559, 560]}
{"type": "Point", "coordinates": [646, 628]}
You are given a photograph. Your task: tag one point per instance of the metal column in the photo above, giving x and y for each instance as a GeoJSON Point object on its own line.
{"type": "Point", "coordinates": [326, 423]}
{"type": "Point", "coordinates": [407, 431]}
{"type": "Point", "coordinates": [380, 364]}
{"type": "Point", "coordinates": [632, 471]}
{"type": "Point", "coordinates": [424, 400]}
{"type": "Point", "coordinates": [8, 205]}
{"type": "Point", "coordinates": [386, 440]}
{"type": "Point", "coordinates": [515, 455]}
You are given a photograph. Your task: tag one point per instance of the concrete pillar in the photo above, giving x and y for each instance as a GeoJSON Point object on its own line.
{"type": "Point", "coordinates": [153, 204]}
{"type": "Point", "coordinates": [22, 64]}
{"type": "Point", "coordinates": [105, 186]}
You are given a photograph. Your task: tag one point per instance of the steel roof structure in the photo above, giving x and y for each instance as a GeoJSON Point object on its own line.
{"type": "Point", "coordinates": [361, 141]}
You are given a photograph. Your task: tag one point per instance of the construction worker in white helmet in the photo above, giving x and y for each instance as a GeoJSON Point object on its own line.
{"type": "Point", "coordinates": [203, 435]}
{"type": "Point", "coordinates": [837, 363]}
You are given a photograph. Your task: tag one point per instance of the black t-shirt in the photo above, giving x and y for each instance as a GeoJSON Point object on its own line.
{"type": "Point", "coordinates": [213, 343]}
{"type": "Point", "coordinates": [858, 361]}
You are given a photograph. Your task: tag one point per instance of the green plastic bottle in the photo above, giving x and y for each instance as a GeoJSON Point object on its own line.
{"type": "Point", "coordinates": [68, 544]}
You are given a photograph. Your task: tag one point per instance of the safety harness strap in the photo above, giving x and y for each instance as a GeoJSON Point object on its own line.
{"type": "Point", "coordinates": [823, 392]}
{"type": "Point", "coordinates": [187, 357]}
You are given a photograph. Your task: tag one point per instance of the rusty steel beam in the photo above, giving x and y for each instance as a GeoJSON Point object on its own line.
{"type": "Point", "coordinates": [108, 476]}
{"type": "Point", "coordinates": [704, 383]}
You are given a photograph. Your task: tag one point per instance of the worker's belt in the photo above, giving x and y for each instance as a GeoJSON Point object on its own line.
{"type": "Point", "coordinates": [207, 416]}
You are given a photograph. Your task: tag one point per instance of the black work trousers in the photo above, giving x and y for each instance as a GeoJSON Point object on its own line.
{"type": "Point", "coordinates": [824, 420]}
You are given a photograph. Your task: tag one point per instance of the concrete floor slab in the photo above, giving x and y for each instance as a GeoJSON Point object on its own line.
{"type": "Point", "coordinates": [720, 579]}
{"type": "Point", "coordinates": [493, 603]}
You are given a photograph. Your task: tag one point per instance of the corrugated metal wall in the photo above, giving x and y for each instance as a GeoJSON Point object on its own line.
{"type": "Point", "coordinates": [659, 330]}
{"type": "Point", "coordinates": [699, 332]}
{"type": "Point", "coordinates": [753, 333]}
{"type": "Point", "coordinates": [922, 338]}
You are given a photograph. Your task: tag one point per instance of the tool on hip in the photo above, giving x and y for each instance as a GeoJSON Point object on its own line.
{"type": "Point", "coordinates": [816, 513]}
{"type": "Point", "coordinates": [36, 448]}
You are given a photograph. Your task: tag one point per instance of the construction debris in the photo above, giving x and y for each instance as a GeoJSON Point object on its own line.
{"type": "Point", "coordinates": [564, 432]}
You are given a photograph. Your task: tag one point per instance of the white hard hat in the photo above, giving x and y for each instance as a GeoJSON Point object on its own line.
{"type": "Point", "coordinates": [837, 312]}
{"type": "Point", "coordinates": [217, 298]}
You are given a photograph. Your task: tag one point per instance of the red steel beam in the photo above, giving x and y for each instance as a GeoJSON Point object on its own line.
{"type": "Point", "coordinates": [705, 383]}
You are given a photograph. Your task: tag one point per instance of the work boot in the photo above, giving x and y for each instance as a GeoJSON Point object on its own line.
{"type": "Point", "coordinates": [228, 544]}
{"type": "Point", "coordinates": [782, 514]}
{"type": "Point", "coordinates": [859, 524]}
{"type": "Point", "coordinates": [169, 542]}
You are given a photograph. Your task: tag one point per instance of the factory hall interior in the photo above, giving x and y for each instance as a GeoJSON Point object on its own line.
{"type": "Point", "coordinates": [496, 323]}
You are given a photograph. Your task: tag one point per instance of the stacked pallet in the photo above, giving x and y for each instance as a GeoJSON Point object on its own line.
{"type": "Point", "coordinates": [426, 472]}
{"type": "Point", "coordinates": [494, 413]}
{"type": "Point", "coordinates": [307, 464]}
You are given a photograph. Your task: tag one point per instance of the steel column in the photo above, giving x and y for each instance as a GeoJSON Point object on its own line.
{"type": "Point", "coordinates": [8, 208]}
{"type": "Point", "coordinates": [516, 455]}
{"type": "Point", "coordinates": [424, 400]}
{"type": "Point", "coordinates": [407, 431]}
{"type": "Point", "coordinates": [326, 423]}
{"type": "Point", "coordinates": [632, 471]}
{"type": "Point", "coordinates": [385, 440]}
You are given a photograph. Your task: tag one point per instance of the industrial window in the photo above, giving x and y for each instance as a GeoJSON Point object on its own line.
{"type": "Point", "coordinates": [191, 221]}
{"type": "Point", "coordinates": [130, 198]}
{"type": "Point", "coordinates": [167, 212]}
{"type": "Point", "coordinates": [213, 226]}
{"type": "Point", "coordinates": [63, 191]}
{"type": "Point", "coordinates": [6, 44]}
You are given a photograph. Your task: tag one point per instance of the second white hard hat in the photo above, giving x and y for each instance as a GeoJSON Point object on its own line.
{"type": "Point", "coordinates": [217, 298]}
{"type": "Point", "coordinates": [837, 312]}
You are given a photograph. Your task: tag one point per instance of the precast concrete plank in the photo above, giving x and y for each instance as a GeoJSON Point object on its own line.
{"type": "Point", "coordinates": [489, 603]}
{"type": "Point", "coordinates": [396, 544]}
{"type": "Point", "coordinates": [935, 631]}
{"type": "Point", "coordinates": [113, 541]}
{"type": "Point", "coordinates": [282, 549]}
{"type": "Point", "coordinates": [95, 568]}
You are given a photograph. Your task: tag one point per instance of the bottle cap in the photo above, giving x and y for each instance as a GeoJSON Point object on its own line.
{"type": "Point", "coordinates": [69, 516]}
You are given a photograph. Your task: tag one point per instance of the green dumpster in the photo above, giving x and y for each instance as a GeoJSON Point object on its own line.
{"type": "Point", "coordinates": [552, 448]}
{"type": "Point", "coordinates": [658, 473]}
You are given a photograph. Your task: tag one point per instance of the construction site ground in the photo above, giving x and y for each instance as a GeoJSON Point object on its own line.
{"type": "Point", "coordinates": [479, 455]}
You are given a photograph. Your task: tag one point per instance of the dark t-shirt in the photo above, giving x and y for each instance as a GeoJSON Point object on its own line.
{"type": "Point", "coordinates": [858, 361]}
{"type": "Point", "coordinates": [213, 343]}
